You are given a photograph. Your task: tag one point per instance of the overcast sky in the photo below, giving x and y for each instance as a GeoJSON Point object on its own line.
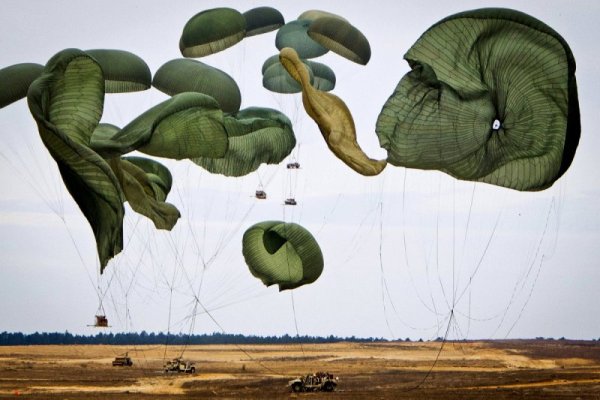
{"type": "Point", "coordinates": [402, 250]}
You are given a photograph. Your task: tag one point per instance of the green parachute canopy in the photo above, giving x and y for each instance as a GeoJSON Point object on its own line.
{"type": "Point", "coordinates": [294, 34]}
{"type": "Point", "coordinates": [278, 80]}
{"type": "Point", "coordinates": [185, 75]}
{"type": "Point", "coordinates": [123, 71]}
{"type": "Point", "coordinates": [316, 14]}
{"type": "Point", "coordinates": [256, 136]}
{"type": "Point", "coordinates": [324, 77]}
{"type": "Point", "coordinates": [15, 81]}
{"type": "Point", "coordinates": [342, 38]}
{"type": "Point", "coordinates": [261, 20]}
{"type": "Point", "coordinates": [67, 102]}
{"type": "Point", "coordinates": [211, 31]}
{"type": "Point", "coordinates": [285, 254]}
{"type": "Point", "coordinates": [491, 97]}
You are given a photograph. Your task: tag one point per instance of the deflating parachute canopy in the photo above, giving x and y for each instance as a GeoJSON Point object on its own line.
{"type": "Point", "coordinates": [491, 97]}
{"type": "Point", "coordinates": [123, 71]}
{"type": "Point", "coordinates": [280, 253]}
{"type": "Point", "coordinates": [185, 126]}
{"type": "Point", "coordinates": [342, 38]}
{"type": "Point", "coordinates": [294, 34]}
{"type": "Point", "coordinates": [256, 136]}
{"type": "Point", "coordinates": [333, 118]}
{"type": "Point", "coordinates": [261, 20]}
{"type": "Point", "coordinates": [185, 75]}
{"type": "Point", "coordinates": [211, 31]}
{"type": "Point", "coordinates": [15, 81]}
{"type": "Point", "coordinates": [99, 186]}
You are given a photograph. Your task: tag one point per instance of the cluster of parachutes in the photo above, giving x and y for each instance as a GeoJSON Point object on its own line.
{"type": "Point", "coordinates": [491, 97]}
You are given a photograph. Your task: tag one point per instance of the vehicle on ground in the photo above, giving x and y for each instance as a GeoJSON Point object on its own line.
{"type": "Point", "coordinates": [179, 365]}
{"type": "Point", "coordinates": [318, 382]}
{"type": "Point", "coordinates": [122, 361]}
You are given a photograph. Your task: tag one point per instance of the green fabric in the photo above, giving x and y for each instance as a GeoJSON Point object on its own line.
{"type": "Point", "coordinates": [211, 31]}
{"type": "Point", "coordinates": [261, 20]}
{"type": "Point", "coordinates": [256, 136]}
{"type": "Point", "coordinates": [471, 71]}
{"type": "Point", "coordinates": [15, 81]}
{"type": "Point", "coordinates": [184, 126]}
{"type": "Point", "coordinates": [342, 38]}
{"type": "Point", "coordinates": [294, 34]}
{"type": "Point", "coordinates": [123, 71]}
{"type": "Point", "coordinates": [278, 80]}
{"type": "Point", "coordinates": [316, 14]}
{"type": "Point", "coordinates": [285, 254]}
{"type": "Point", "coordinates": [186, 75]}
{"type": "Point", "coordinates": [324, 77]}
{"type": "Point", "coordinates": [143, 194]}
{"type": "Point", "coordinates": [159, 176]}
{"type": "Point", "coordinates": [67, 102]}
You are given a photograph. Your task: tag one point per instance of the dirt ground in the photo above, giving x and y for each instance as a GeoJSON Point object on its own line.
{"type": "Point", "coordinates": [400, 370]}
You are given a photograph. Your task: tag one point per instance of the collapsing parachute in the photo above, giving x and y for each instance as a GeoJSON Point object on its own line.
{"type": "Point", "coordinates": [491, 97]}
{"type": "Point", "coordinates": [282, 253]}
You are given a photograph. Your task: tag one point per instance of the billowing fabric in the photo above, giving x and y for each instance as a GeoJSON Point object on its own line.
{"type": "Point", "coordinates": [333, 118]}
{"type": "Point", "coordinates": [316, 14]}
{"type": "Point", "coordinates": [67, 101]}
{"type": "Point", "coordinates": [491, 97]}
{"type": "Point", "coordinates": [186, 75]}
{"type": "Point", "coordinates": [15, 81]}
{"type": "Point", "coordinates": [123, 71]}
{"type": "Point", "coordinates": [342, 38]}
{"type": "Point", "coordinates": [256, 136]}
{"type": "Point", "coordinates": [145, 191]}
{"type": "Point", "coordinates": [262, 20]}
{"type": "Point", "coordinates": [294, 34]}
{"type": "Point", "coordinates": [278, 80]}
{"type": "Point", "coordinates": [284, 254]}
{"type": "Point", "coordinates": [159, 176]}
{"type": "Point", "coordinates": [185, 126]}
{"type": "Point", "coordinates": [211, 31]}
{"type": "Point", "coordinates": [324, 77]}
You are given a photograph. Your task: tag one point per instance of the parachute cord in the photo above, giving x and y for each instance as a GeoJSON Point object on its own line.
{"type": "Point", "coordinates": [296, 323]}
{"type": "Point", "coordinates": [524, 279]}
{"type": "Point", "coordinates": [437, 245]}
{"type": "Point", "coordinates": [405, 251]}
{"type": "Point", "coordinates": [383, 280]}
{"type": "Point", "coordinates": [437, 357]}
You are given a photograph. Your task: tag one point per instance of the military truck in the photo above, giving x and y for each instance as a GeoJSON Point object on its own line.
{"type": "Point", "coordinates": [122, 361]}
{"type": "Point", "coordinates": [179, 365]}
{"type": "Point", "coordinates": [318, 382]}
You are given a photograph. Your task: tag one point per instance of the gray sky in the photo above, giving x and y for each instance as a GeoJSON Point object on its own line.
{"type": "Point", "coordinates": [401, 249]}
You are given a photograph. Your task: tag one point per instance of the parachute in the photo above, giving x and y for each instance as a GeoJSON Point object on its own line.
{"type": "Point", "coordinates": [123, 71]}
{"type": "Point", "coordinates": [342, 38]}
{"type": "Point", "coordinates": [16, 80]}
{"type": "Point", "coordinates": [333, 117]}
{"type": "Point", "coordinates": [295, 34]}
{"type": "Point", "coordinates": [280, 253]}
{"type": "Point", "coordinates": [491, 97]}
{"type": "Point", "coordinates": [261, 20]}
{"type": "Point", "coordinates": [186, 75]}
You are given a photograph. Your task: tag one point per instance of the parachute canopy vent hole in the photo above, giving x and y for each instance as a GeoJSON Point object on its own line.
{"type": "Point", "coordinates": [273, 241]}
{"type": "Point", "coordinates": [496, 124]}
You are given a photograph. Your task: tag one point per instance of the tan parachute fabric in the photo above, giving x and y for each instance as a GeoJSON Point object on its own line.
{"type": "Point", "coordinates": [333, 118]}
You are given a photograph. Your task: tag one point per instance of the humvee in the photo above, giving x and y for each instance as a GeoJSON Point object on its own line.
{"type": "Point", "coordinates": [122, 361]}
{"type": "Point", "coordinates": [321, 381]}
{"type": "Point", "coordinates": [179, 365]}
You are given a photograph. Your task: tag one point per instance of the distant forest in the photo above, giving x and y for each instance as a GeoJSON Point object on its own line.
{"type": "Point", "coordinates": [45, 338]}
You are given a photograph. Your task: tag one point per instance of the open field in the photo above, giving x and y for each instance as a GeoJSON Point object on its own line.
{"type": "Point", "coordinates": [466, 370]}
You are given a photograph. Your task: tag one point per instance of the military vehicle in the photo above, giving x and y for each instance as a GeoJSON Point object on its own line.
{"type": "Point", "coordinates": [122, 361]}
{"type": "Point", "coordinates": [178, 365]}
{"type": "Point", "coordinates": [318, 382]}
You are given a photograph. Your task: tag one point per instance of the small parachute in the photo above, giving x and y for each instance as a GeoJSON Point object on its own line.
{"type": "Point", "coordinates": [186, 75]}
{"type": "Point", "coordinates": [261, 20]}
{"type": "Point", "coordinates": [284, 254]}
{"type": "Point", "coordinates": [294, 34]}
{"type": "Point", "coordinates": [211, 31]}
{"type": "Point", "coordinates": [491, 97]}
{"type": "Point", "coordinates": [123, 71]}
{"type": "Point", "coordinates": [342, 38]}
{"type": "Point", "coordinates": [15, 81]}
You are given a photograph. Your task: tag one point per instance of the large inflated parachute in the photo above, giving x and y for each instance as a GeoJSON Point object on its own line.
{"type": "Point", "coordinates": [15, 81]}
{"type": "Point", "coordinates": [491, 97]}
{"type": "Point", "coordinates": [280, 253]}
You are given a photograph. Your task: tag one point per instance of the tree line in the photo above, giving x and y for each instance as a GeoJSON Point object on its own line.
{"type": "Point", "coordinates": [141, 338]}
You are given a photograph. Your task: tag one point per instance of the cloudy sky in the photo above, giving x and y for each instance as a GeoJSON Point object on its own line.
{"type": "Point", "coordinates": [403, 251]}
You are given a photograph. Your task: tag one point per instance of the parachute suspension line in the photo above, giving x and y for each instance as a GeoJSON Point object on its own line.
{"type": "Point", "coordinates": [384, 287]}
{"type": "Point", "coordinates": [523, 280]}
{"type": "Point", "coordinates": [406, 257]}
{"type": "Point", "coordinates": [437, 357]}
{"type": "Point", "coordinates": [437, 244]}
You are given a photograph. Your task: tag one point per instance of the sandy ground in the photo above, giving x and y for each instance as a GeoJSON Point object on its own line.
{"type": "Point", "coordinates": [464, 370]}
